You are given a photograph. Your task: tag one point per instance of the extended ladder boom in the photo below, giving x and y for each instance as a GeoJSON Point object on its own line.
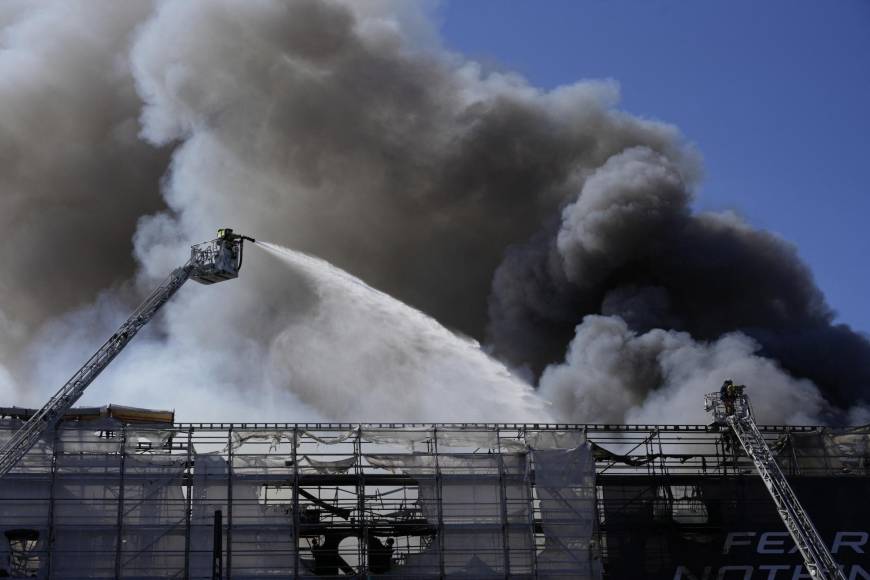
{"type": "Point", "coordinates": [67, 395]}
{"type": "Point", "coordinates": [734, 410]}
{"type": "Point", "coordinates": [209, 262]}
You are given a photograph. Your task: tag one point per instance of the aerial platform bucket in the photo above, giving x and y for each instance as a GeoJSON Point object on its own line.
{"type": "Point", "coordinates": [219, 259]}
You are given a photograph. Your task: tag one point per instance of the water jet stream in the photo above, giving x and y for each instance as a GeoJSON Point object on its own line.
{"type": "Point", "coordinates": [366, 354]}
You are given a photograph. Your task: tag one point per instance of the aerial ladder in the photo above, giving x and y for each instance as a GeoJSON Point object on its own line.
{"type": "Point", "coordinates": [210, 262]}
{"type": "Point", "coordinates": [730, 407]}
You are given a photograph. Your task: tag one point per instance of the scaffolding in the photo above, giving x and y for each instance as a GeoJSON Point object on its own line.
{"type": "Point", "coordinates": [106, 498]}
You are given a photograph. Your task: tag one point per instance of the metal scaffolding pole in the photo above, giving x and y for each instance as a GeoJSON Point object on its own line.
{"type": "Point", "coordinates": [230, 503]}
{"type": "Point", "coordinates": [217, 547]}
{"type": "Point", "coordinates": [119, 543]}
{"type": "Point", "coordinates": [530, 498]}
{"type": "Point", "coordinates": [188, 502]}
{"type": "Point", "coordinates": [51, 500]}
{"type": "Point", "coordinates": [440, 510]}
{"type": "Point", "coordinates": [502, 498]}
{"type": "Point", "coordinates": [295, 504]}
{"type": "Point", "coordinates": [362, 544]}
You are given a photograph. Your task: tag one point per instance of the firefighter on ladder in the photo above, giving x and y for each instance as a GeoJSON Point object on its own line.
{"type": "Point", "coordinates": [729, 394]}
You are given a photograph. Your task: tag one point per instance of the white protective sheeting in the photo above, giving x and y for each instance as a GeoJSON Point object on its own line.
{"type": "Point", "coordinates": [110, 512]}
{"type": "Point", "coordinates": [99, 496]}
{"type": "Point", "coordinates": [481, 503]}
{"type": "Point", "coordinates": [327, 466]}
{"type": "Point", "coordinates": [259, 537]}
{"type": "Point", "coordinates": [115, 502]}
{"type": "Point", "coordinates": [87, 502]}
{"type": "Point", "coordinates": [565, 486]}
{"type": "Point", "coordinates": [555, 439]}
{"type": "Point", "coordinates": [154, 523]}
{"type": "Point", "coordinates": [827, 450]}
{"type": "Point", "coordinates": [273, 438]}
{"type": "Point", "coordinates": [411, 438]}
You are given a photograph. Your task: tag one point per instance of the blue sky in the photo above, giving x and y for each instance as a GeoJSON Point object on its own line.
{"type": "Point", "coordinates": [774, 93]}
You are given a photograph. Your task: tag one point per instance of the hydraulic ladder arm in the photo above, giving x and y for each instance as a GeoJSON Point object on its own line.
{"type": "Point", "coordinates": [734, 411]}
{"type": "Point", "coordinates": [210, 262]}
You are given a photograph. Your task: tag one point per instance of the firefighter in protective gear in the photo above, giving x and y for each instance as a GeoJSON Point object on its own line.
{"type": "Point", "coordinates": [728, 393]}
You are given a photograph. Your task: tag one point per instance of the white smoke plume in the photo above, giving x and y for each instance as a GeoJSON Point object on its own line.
{"type": "Point", "coordinates": [613, 375]}
{"type": "Point", "coordinates": [342, 129]}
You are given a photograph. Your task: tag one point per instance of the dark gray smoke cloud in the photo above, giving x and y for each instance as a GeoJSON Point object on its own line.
{"type": "Point", "coordinates": [631, 248]}
{"type": "Point", "coordinates": [74, 176]}
{"type": "Point", "coordinates": [344, 130]}
{"type": "Point", "coordinates": [330, 132]}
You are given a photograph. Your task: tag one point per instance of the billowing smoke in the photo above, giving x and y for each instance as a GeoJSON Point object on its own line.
{"type": "Point", "coordinates": [342, 129]}
{"type": "Point", "coordinates": [612, 374]}
{"type": "Point", "coordinates": [630, 247]}
{"type": "Point", "coordinates": [74, 176]}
